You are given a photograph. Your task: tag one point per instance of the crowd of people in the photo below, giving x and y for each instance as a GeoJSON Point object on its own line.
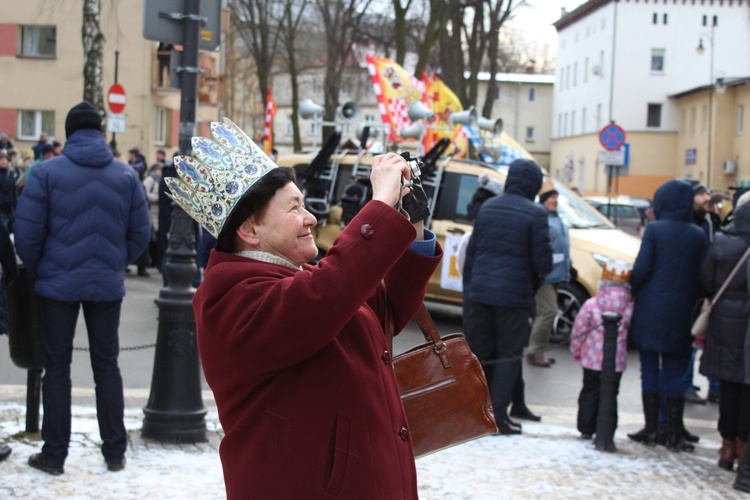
{"type": "Point", "coordinates": [80, 217]}
{"type": "Point", "coordinates": [517, 256]}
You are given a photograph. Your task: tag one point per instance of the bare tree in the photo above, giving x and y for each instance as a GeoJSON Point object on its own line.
{"type": "Point", "coordinates": [499, 11]}
{"type": "Point", "coordinates": [341, 20]}
{"type": "Point", "coordinates": [256, 22]}
{"type": "Point", "coordinates": [93, 55]}
{"type": "Point", "coordinates": [441, 11]}
{"type": "Point", "coordinates": [294, 11]}
{"type": "Point", "coordinates": [400, 10]}
{"type": "Point", "coordinates": [451, 56]}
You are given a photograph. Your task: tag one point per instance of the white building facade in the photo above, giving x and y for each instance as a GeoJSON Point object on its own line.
{"type": "Point", "coordinates": [620, 61]}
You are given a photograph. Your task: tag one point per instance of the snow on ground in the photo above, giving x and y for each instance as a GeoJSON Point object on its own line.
{"type": "Point", "coordinates": [549, 459]}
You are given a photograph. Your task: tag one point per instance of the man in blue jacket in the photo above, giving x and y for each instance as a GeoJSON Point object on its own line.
{"type": "Point", "coordinates": [80, 220]}
{"type": "Point", "coordinates": [546, 295]}
{"type": "Point", "coordinates": [509, 251]}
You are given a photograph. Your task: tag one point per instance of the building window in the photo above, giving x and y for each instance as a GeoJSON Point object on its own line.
{"type": "Point", "coordinates": [160, 126]}
{"type": "Point", "coordinates": [289, 129]}
{"type": "Point", "coordinates": [704, 119]}
{"type": "Point", "coordinates": [497, 93]}
{"type": "Point", "coordinates": [37, 41]}
{"type": "Point", "coordinates": [565, 124]}
{"type": "Point", "coordinates": [655, 18]}
{"type": "Point", "coordinates": [575, 73]}
{"type": "Point", "coordinates": [683, 123]}
{"type": "Point", "coordinates": [583, 121]}
{"type": "Point", "coordinates": [567, 77]}
{"type": "Point", "coordinates": [693, 119]}
{"type": "Point", "coordinates": [586, 70]}
{"type": "Point", "coordinates": [598, 116]}
{"type": "Point", "coordinates": [33, 123]}
{"type": "Point", "coordinates": [705, 20]}
{"type": "Point", "coordinates": [740, 118]}
{"type": "Point", "coordinates": [664, 18]}
{"type": "Point", "coordinates": [572, 123]}
{"type": "Point", "coordinates": [532, 94]}
{"type": "Point", "coordinates": [653, 119]}
{"type": "Point", "coordinates": [530, 134]}
{"type": "Point", "coordinates": [559, 125]}
{"type": "Point", "coordinates": [657, 60]}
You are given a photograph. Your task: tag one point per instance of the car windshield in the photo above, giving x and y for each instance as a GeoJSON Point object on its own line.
{"type": "Point", "coordinates": [576, 212]}
{"type": "Point", "coordinates": [624, 211]}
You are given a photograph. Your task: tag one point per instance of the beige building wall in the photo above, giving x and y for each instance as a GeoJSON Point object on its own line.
{"type": "Point", "coordinates": [56, 83]}
{"type": "Point", "coordinates": [729, 137]}
{"type": "Point", "coordinates": [652, 159]}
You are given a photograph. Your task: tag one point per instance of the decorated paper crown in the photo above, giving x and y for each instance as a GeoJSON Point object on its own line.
{"type": "Point", "coordinates": [212, 182]}
{"type": "Point", "coordinates": [617, 271]}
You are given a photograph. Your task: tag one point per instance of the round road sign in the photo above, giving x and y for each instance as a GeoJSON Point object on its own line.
{"type": "Point", "coordinates": [116, 98]}
{"type": "Point", "coordinates": [612, 137]}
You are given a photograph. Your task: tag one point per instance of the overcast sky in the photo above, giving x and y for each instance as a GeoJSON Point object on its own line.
{"type": "Point", "coordinates": [535, 20]}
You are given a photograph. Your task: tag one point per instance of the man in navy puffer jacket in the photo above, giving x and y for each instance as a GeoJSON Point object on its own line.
{"type": "Point", "coordinates": [81, 219]}
{"type": "Point", "coordinates": [508, 252]}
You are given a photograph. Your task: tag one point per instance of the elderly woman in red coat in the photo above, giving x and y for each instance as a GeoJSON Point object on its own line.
{"type": "Point", "coordinates": [295, 354]}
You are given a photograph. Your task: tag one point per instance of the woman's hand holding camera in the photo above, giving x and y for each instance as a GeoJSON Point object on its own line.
{"type": "Point", "coordinates": [385, 176]}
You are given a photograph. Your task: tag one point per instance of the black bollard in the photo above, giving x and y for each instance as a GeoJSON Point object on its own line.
{"type": "Point", "coordinates": [606, 421]}
{"type": "Point", "coordinates": [175, 411]}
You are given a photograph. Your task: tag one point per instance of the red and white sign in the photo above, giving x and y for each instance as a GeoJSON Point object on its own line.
{"type": "Point", "coordinates": [116, 98]}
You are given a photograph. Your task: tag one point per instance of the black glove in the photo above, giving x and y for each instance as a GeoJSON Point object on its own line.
{"type": "Point", "coordinates": [416, 205]}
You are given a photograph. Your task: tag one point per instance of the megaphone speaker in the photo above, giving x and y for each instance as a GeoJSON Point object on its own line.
{"type": "Point", "coordinates": [496, 126]}
{"type": "Point", "coordinates": [413, 131]}
{"type": "Point", "coordinates": [308, 110]}
{"type": "Point", "coordinates": [468, 117]}
{"type": "Point", "coordinates": [373, 131]}
{"type": "Point", "coordinates": [418, 111]}
{"type": "Point", "coordinates": [349, 111]}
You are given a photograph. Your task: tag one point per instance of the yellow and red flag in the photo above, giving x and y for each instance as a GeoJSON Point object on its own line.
{"type": "Point", "coordinates": [444, 102]}
{"type": "Point", "coordinates": [395, 90]}
{"type": "Point", "coordinates": [268, 128]}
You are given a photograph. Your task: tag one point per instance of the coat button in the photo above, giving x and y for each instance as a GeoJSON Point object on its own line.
{"type": "Point", "coordinates": [386, 357]}
{"type": "Point", "coordinates": [404, 433]}
{"type": "Point", "coordinates": [367, 231]}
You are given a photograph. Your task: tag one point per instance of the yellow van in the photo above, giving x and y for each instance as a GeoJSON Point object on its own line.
{"type": "Point", "coordinates": [450, 184]}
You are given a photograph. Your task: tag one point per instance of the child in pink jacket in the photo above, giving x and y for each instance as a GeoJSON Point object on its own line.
{"type": "Point", "coordinates": [587, 338]}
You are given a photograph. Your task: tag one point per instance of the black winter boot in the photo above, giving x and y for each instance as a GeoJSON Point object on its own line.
{"type": "Point", "coordinates": [742, 482]}
{"type": "Point", "coordinates": [648, 434]}
{"type": "Point", "coordinates": [675, 439]}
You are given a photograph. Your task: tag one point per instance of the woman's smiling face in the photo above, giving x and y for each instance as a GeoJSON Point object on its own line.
{"type": "Point", "coordinates": [284, 229]}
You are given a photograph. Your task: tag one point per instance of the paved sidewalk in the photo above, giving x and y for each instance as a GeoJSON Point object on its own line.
{"type": "Point", "coordinates": [549, 459]}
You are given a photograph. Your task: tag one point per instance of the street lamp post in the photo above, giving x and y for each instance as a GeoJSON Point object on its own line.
{"type": "Point", "coordinates": [700, 49]}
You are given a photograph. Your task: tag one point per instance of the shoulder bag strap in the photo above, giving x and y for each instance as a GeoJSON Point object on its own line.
{"type": "Point", "coordinates": [729, 278]}
{"type": "Point", "coordinates": [424, 320]}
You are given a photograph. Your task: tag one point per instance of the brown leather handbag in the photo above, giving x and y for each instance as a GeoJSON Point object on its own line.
{"type": "Point", "coordinates": [443, 389]}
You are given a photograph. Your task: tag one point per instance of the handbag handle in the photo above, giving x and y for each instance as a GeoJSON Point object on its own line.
{"type": "Point", "coordinates": [729, 278]}
{"type": "Point", "coordinates": [424, 320]}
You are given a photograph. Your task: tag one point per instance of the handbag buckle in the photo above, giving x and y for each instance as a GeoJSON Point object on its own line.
{"type": "Point", "coordinates": [442, 351]}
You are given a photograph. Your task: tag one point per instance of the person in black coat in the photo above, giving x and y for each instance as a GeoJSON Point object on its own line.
{"type": "Point", "coordinates": [724, 351]}
{"type": "Point", "coordinates": [665, 286]}
{"type": "Point", "coordinates": [509, 250]}
{"type": "Point", "coordinates": [9, 272]}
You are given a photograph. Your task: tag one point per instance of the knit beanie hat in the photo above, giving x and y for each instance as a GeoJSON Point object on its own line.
{"type": "Point", "coordinates": [82, 115]}
{"type": "Point", "coordinates": [548, 190]}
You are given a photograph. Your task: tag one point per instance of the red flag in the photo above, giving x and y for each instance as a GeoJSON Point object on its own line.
{"type": "Point", "coordinates": [268, 129]}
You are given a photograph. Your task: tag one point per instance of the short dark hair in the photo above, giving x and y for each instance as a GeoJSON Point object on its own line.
{"type": "Point", "coordinates": [253, 204]}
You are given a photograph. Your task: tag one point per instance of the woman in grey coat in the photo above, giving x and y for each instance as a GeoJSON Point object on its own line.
{"type": "Point", "coordinates": [724, 353]}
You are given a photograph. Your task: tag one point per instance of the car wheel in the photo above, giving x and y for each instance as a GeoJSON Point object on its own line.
{"type": "Point", "coordinates": [570, 298]}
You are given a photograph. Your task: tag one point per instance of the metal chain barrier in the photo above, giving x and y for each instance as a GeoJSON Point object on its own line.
{"type": "Point", "coordinates": [133, 348]}
{"type": "Point", "coordinates": [540, 351]}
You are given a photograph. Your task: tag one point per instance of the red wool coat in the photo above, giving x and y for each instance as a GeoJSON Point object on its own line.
{"type": "Point", "coordinates": [299, 366]}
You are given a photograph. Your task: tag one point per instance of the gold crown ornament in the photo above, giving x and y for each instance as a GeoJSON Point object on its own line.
{"type": "Point", "coordinates": [617, 271]}
{"type": "Point", "coordinates": [212, 181]}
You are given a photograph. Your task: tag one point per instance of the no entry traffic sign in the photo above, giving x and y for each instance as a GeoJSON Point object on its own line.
{"type": "Point", "coordinates": [116, 98]}
{"type": "Point", "coordinates": [612, 137]}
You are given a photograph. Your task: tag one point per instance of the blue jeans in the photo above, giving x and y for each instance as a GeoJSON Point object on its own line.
{"type": "Point", "coordinates": [58, 329]}
{"type": "Point", "coordinates": [662, 367]}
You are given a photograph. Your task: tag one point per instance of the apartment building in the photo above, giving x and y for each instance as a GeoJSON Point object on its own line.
{"type": "Point", "coordinates": [634, 62]}
{"type": "Point", "coordinates": [41, 63]}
